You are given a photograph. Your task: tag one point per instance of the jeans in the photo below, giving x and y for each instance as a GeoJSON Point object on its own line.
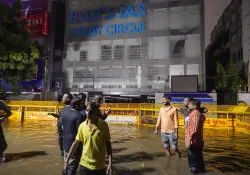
{"type": "Point", "coordinates": [73, 162]}
{"type": "Point", "coordinates": [168, 139]}
{"type": "Point", "coordinates": [86, 171]}
{"type": "Point", "coordinates": [195, 158]}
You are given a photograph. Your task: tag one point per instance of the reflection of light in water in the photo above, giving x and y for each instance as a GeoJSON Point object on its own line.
{"type": "Point", "coordinates": [136, 150]}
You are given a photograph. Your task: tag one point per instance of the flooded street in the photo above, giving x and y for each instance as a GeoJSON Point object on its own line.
{"type": "Point", "coordinates": [33, 150]}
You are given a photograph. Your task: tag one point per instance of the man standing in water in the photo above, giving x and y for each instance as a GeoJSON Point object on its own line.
{"type": "Point", "coordinates": [70, 121]}
{"type": "Point", "coordinates": [95, 136]}
{"type": "Point", "coordinates": [98, 99]}
{"type": "Point", "coordinates": [168, 121]}
{"type": "Point", "coordinates": [194, 138]}
{"type": "Point", "coordinates": [66, 99]}
{"type": "Point", "coordinates": [186, 111]}
{"type": "Point", "coordinates": [3, 143]}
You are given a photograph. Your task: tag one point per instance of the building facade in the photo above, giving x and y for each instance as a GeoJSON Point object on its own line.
{"type": "Point", "coordinates": [229, 40]}
{"type": "Point", "coordinates": [132, 46]}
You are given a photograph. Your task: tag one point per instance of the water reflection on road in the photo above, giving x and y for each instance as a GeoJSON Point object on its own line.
{"type": "Point", "coordinates": [33, 150]}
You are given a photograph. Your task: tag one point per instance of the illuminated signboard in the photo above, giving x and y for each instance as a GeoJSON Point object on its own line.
{"type": "Point", "coordinates": [108, 13]}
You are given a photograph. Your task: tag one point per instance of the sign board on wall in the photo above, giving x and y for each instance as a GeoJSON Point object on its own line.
{"type": "Point", "coordinates": [38, 24]}
{"type": "Point", "coordinates": [108, 13]}
{"type": "Point", "coordinates": [35, 11]}
{"type": "Point", "coordinates": [122, 119]}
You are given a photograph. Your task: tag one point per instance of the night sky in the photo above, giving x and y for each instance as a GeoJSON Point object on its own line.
{"type": "Point", "coordinates": [213, 9]}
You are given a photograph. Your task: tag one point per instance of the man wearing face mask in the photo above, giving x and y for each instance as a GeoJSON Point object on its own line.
{"type": "Point", "coordinates": [98, 99]}
{"type": "Point", "coordinates": [168, 121]}
{"type": "Point", "coordinates": [70, 121]}
{"type": "Point", "coordinates": [66, 99]}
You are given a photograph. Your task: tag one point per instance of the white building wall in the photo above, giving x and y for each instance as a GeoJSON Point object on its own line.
{"type": "Point", "coordinates": [155, 68]}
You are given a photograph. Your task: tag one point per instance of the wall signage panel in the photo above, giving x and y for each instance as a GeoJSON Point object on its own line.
{"type": "Point", "coordinates": [108, 13]}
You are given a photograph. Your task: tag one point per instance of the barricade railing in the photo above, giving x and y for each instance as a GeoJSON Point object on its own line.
{"type": "Point", "coordinates": [145, 114]}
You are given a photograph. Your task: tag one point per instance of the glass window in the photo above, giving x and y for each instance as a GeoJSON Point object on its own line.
{"type": "Point", "coordinates": [134, 52]}
{"type": "Point", "coordinates": [83, 55]}
{"type": "Point", "coordinates": [106, 52]}
{"type": "Point", "coordinates": [119, 52]}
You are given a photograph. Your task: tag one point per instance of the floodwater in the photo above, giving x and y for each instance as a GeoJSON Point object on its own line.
{"type": "Point", "coordinates": [33, 150]}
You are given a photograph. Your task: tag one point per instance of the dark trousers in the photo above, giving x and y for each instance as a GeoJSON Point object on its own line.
{"type": "Point", "coordinates": [3, 145]}
{"type": "Point", "coordinates": [86, 171]}
{"type": "Point", "coordinates": [73, 162]}
{"type": "Point", "coordinates": [60, 142]}
{"type": "Point", "coordinates": [195, 159]}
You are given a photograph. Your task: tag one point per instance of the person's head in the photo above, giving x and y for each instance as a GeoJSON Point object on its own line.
{"type": "Point", "coordinates": [91, 110]}
{"type": "Point", "coordinates": [67, 98]}
{"type": "Point", "coordinates": [76, 103]}
{"type": "Point", "coordinates": [186, 101]}
{"type": "Point", "coordinates": [166, 100]}
{"type": "Point", "coordinates": [98, 99]}
{"type": "Point", "coordinates": [82, 96]}
{"type": "Point", "coordinates": [193, 104]}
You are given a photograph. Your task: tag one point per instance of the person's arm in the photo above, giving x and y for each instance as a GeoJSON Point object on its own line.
{"type": "Point", "coordinates": [109, 149]}
{"type": "Point", "coordinates": [176, 123]}
{"type": "Point", "coordinates": [6, 110]}
{"type": "Point", "coordinates": [60, 124]}
{"type": "Point", "coordinates": [158, 123]}
{"type": "Point", "coordinates": [71, 152]}
{"type": "Point", "coordinates": [54, 115]}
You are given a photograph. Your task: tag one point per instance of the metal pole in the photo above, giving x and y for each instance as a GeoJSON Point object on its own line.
{"type": "Point", "coordinates": [45, 80]}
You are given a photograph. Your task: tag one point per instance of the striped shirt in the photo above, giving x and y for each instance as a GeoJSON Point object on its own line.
{"type": "Point", "coordinates": [194, 128]}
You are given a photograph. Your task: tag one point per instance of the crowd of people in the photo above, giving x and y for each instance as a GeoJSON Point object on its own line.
{"type": "Point", "coordinates": [193, 124]}
{"type": "Point", "coordinates": [83, 134]}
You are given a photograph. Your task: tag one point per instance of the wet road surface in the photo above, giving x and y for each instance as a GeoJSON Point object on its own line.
{"type": "Point", "coordinates": [33, 150]}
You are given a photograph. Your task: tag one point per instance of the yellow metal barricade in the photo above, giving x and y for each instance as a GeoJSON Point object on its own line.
{"type": "Point", "coordinates": [145, 114]}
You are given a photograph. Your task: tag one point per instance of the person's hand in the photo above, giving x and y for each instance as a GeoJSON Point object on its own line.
{"type": "Point", "coordinates": [156, 132]}
{"type": "Point", "coordinates": [65, 167]}
{"type": "Point", "coordinates": [176, 135]}
{"type": "Point", "coordinates": [49, 114]}
{"type": "Point", "coordinates": [108, 111]}
{"type": "Point", "coordinates": [109, 170]}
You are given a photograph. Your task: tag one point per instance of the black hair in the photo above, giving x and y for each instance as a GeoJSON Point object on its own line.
{"type": "Point", "coordinates": [70, 97]}
{"type": "Point", "coordinates": [167, 97]}
{"type": "Point", "coordinates": [189, 98]}
{"type": "Point", "coordinates": [75, 102]}
{"type": "Point", "coordinates": [82, 96]}
{"type": "Point", "coordinates": [195, 102]}
{"type": "Point", "coordinates": [93, 105]}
